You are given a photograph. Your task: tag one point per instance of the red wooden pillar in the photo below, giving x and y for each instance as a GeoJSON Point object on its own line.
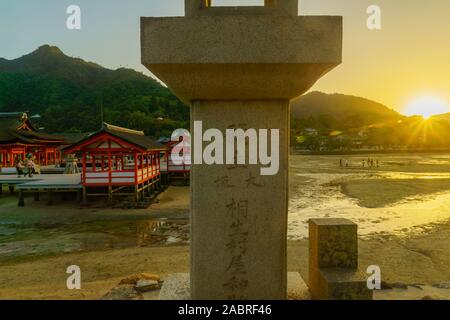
{"type": "Point", "coordinates": [84, 167]}
{"type": "Point", "coordinates": [159, 164]}
{"type": "Point", "coordinates": [109, 163]}
{"type": "Point", "coordinates": [110, 190]}
{"type": "Point", "coordinates": [147, 166]}
{"type": "Point", "coordinates": [152, 162]}
{"type": "Point", "coordinates": [152, 156]}
{"type": "Point", "coordinates": [109, 168]}
{"type": "Point", "coordinates": [135, 168]}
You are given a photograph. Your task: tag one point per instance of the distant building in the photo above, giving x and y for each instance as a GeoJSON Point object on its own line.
{"type": "Point", "coordinates": [118, 162]}
{"type": "Point", "coordinates": [179, 168]}
{"type": "Point", "coordinates": [19, 138]}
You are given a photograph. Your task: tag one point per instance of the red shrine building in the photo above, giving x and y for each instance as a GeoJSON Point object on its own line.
{"type": "Point", "coordinates": [118, 162]}
{"type": "Point", "coordinates": [179, 168]}
{"type": "Point", "coordinates": [19, 138]}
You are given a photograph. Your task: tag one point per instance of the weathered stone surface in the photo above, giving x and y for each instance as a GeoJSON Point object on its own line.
{"type": "Point", "coordinates": [253, 64]}
{"type": "Point", "coordinates": [333, 243]}
{"type": "Point", "coordinates": [176, 287]}
{"type": "Point", "coordinates": [238, 216]}
{"type": "Point", "coordinates": [333, 261]}
{"type": "Point", "coordinates": [342, 284]}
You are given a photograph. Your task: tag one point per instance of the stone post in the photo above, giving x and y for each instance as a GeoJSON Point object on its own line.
{"type": "Point", "coordinates": [239, 68]}
{"type": "Point", "coordinates": [333, 261]}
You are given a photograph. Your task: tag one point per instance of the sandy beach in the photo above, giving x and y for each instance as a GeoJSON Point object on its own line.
{"type": "Point", "coordinates": [402, 209]}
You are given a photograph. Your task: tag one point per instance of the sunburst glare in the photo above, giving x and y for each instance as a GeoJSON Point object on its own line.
{"type": "Point", "coordinates": [426, 106]}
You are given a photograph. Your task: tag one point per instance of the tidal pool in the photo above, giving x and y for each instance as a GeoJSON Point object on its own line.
{"type": "Point", "coordinates": [46, 239]}
{"type": "Point", "coordinates": [405, 194]}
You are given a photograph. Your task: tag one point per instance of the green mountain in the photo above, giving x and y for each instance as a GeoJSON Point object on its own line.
{"type": "Point", "coordinates": [69, 93]}
{"type": "Point", "coordinates": [341, 122]}
{"type": "Point", "coordinates": [340, 112]}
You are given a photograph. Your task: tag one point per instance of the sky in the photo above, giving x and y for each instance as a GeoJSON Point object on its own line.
{"type": "Point", "coordinates": [407, 59]}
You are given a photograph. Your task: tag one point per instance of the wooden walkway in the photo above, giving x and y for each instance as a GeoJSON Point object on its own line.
{"type": "Point", "coordinates": [50, 183]}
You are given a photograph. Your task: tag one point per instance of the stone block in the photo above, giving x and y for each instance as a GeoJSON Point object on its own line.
{"type": "Point", "coordinates": [333, 243]}
{"type": "Point", "coordinates": [342, 284]}
{"type": "Point", "coordinates": [333, 261]}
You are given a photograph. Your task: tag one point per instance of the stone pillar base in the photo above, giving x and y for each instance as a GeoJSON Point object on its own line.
{"type": "Point", "coordinates": [342, 284]}
{"type": "Point", "coordinates": [176, 287]}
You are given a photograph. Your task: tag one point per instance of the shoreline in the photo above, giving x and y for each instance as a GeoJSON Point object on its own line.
{"type": "Point", "coordinates": [368, 152]}
{"type": "Point", "coordinates": [411, 261]}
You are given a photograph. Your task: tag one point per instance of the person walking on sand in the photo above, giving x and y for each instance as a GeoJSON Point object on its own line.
{"type": "Point", "coordinates": [340, 163]}
{"type": "Point", "coordinates": [346, 163]}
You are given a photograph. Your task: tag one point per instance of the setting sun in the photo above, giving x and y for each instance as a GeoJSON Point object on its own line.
{"type": "Point", "coordinates": [427, 107]}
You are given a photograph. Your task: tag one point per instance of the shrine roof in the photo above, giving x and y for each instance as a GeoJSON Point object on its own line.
{"type": "Point", "coordinates": [15, 127]}
{"type": "Point", "coordinates": [133, 137]}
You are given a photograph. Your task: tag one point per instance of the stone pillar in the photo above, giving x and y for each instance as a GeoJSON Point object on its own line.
{"type": "Point", "coordinates": [239, 216]}
{"type": "Point", "coordinates": [239, 68]}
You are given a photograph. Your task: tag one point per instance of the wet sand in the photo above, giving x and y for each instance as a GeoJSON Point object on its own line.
{"type": "Point", "coordinates": [402, 209]}
{"type": "Point", "coordinates": [403, 196]}
{"type": "Point", "coordinates": [420, 260]}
